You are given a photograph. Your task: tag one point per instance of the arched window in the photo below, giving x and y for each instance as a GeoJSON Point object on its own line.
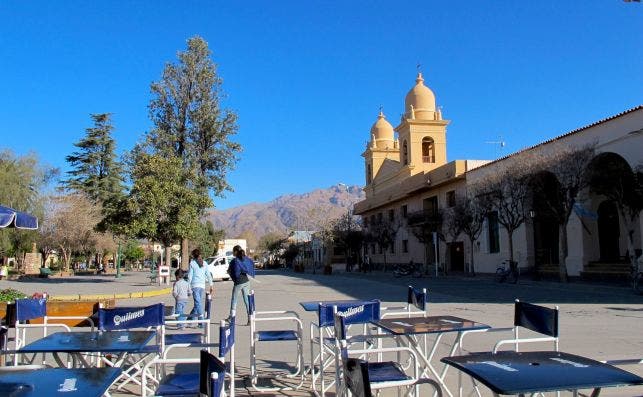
{"type": "Point", "coordinates": [405, 153]}
{"type": "Point", "coordinates": [369, 174]}
{"type": "Point", "coordinates": [428, 150]}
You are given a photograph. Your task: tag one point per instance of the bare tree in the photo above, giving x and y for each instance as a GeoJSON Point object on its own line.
{"type": "Point", "coordinates": [73, 218]}
{"type": "Point", "coordinates": [614, 179]}
{"type": "Point", "coordinates": [384, 232]}
{"type": "Point", "coordinates": [469, 214]}
{"type": "Point", "coordinates": [570, 167]}
{"type": "Point", "coordinates": [507, 191]}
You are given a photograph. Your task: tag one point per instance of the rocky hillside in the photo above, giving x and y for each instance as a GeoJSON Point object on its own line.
{"type": "Point", "coordinates": [285, 213]}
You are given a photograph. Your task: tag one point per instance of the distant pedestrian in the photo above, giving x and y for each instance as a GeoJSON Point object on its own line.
{"type": "Point", "coordinates": [181, 292]}
{"type": "Point", "coordinates": [239, 268]}
{"type": "Point", "coordinates": [198, 276]}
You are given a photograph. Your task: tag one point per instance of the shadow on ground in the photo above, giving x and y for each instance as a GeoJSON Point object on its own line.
{"type": "Point", "coordinates": [460, 289]}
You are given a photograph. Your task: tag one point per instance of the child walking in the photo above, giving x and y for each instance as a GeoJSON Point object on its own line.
{"type": "Point", "coordinates": [181, 292]}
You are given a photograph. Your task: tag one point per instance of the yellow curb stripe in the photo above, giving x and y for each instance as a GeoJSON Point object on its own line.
{"type": "Point", "coordinates": [98, 297]}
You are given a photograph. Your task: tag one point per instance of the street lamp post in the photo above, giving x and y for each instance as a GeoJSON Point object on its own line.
{"type": "Point", "coordinates": [118, 261]}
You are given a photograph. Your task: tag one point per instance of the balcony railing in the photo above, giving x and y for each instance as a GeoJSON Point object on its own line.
{"type": "Point", "coordinates": [429, 217]}
{"type": "Point", "coordinates": [428, 159]}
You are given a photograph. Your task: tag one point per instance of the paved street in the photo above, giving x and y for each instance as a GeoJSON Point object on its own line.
{"type": "Point", "coordinates": [602, 322]}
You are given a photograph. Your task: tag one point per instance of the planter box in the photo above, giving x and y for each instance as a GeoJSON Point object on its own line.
{"type": "Point", "coordinates": [59, 308]}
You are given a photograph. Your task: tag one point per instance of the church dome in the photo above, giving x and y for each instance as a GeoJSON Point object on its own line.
{"type": "Point", "coordinates": [382, 133]}
{"type": "Point", "coordinates": [420, 101]}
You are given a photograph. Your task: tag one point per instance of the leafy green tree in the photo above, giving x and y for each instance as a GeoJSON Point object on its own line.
{"type": "Point", "coordinates": [161, 206]}
{"type": "Point", "coordinates": [133, 251]}
{"type": "Point", "coordinates": [190, 124]}
{"type": "Point", "coordinates": [23, 180]}
{"type": "Point", "coordinates": [207, 238]}
{"type": "Point", "coordinates": [95, 169]}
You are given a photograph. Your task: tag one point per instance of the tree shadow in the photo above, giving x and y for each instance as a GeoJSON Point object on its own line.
{"type": "Point", "coordinates": [461, 289]}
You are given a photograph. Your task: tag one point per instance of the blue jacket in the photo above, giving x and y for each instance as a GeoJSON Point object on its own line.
{"type": "Point", "coordinates": [239, 269]}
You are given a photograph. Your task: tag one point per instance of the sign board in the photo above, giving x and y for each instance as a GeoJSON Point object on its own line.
{"type": "Point", "coordinates": [32, 263]}
{"type": "Point", "coordinates": [164, 274]}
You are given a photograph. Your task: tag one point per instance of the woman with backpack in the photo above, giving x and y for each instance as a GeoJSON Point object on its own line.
{"type": "Point", "coordinates": [239, 268]}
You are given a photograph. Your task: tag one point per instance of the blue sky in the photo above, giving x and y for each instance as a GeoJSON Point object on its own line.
{"type": "Point", "coordinates": [307, 78]}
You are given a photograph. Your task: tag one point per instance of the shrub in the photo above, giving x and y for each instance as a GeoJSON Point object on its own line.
{"type": "Point", "coordinates": [10, 295]}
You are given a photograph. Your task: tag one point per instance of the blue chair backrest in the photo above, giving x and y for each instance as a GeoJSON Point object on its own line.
{"type": "Point", "coordinates": [131, 317]}
{"type": "Point", "coordinates": [417, 298]}
{"type": "Point", "coordinates": [28, 309]}
{"type": "Point", "coordinates": [354, 313]}
{"type": "Point", "coordinates": [536, 318]}
{"type": "Point", "coordinates": [209, 364]}
{"type": "Point", "coordinates": [356, 377]}
{"type": "Point", "coordinates": [251, 303]}
{"type": "Point", "coordinates": [226, 337]}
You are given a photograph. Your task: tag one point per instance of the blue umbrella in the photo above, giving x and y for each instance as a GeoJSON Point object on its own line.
{"type": "Point", "coordinates": [20, 220]}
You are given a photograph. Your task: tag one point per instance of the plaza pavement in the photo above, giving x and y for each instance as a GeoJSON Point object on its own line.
{"type": "Point", "coordinates": [598, 321]}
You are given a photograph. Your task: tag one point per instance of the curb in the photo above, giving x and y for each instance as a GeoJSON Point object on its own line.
{"type": "Point", "coordinates": [132, 295]}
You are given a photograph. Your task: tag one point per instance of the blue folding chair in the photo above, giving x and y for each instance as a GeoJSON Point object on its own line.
{"type": "Point", "coordinates": [279, 335]}
{"type": "Point", "coordinates": [322, 336]}
{"type": "Point", "coordinates": [417, 304]}
{"type": "Point", "coordinates": [227, 337]}
{"type": "Point", "coordinates": [211, 375]}
{"type": "Point", "coordinates": [538, 319]}
{"type": "Point", "coordinates": [123, 319]}
{"type": "Point", "coordinates": [158, 379]}
{"type": "Point", "coordinates": [182, 337]}
{"type": "Point", "coordinates": [375, 375]}
{"type": "Point", "coordinates": [31, 309]}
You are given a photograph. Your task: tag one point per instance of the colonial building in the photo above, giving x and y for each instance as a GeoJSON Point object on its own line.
{"type": "Point", "coordinates": [409, 179]}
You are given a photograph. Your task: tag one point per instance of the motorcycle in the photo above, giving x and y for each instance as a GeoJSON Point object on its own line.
{"type": "Point", "coordinates": [410, 269]}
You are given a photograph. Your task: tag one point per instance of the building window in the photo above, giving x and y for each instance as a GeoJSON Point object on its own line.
{"type": "Point", "coordinates": [430, 206]}
{"type": "Point", "coordinates": [405, 211]}
{"type": "Point", "coordinates": [365, 222]}
{"type": "Point", "coordinates": [372, 248]}
{"type": "Point", "coordinates": [379, 217]}
{"type": "Point", "coordinates": [369, 174]}
{"type": "Point", "coordinates": [428, 150]}
{"type": "Point", "coordinates": [405, 246]}
{"type": "Point", "coordinates": [405, 153]}
{"type": "Point", "coordinates": [391, 215]}
{"type": "Point", "coordinates": [451, 198]}
{"type": "Point", "coordinates": [379, 248]}
{"type": "Point", "coordinates": [393, 247]}
{"type": "Point", "coordinates": [493, 232]}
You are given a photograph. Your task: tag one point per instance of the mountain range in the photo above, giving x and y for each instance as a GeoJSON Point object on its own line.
{"type": "Point", "coordinates": [289, 212]}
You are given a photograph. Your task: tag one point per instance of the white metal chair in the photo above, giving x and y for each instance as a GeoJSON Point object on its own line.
{"type": "Point", "coordinates": [379, 374]}
{"type": "Point", "coordinates": [203, 336]}
{"type": "Point", "coordinates": [292, 334]}
{"type": "Point", "coordinates": [30, 309]}
{"type": "Point", "coordinates": [417, 304]}
{"type": "Point", "coordinates": [322, 336]}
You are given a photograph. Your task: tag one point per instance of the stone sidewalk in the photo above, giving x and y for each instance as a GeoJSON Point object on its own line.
{"type": "Point", "coordinates": [598, 321]}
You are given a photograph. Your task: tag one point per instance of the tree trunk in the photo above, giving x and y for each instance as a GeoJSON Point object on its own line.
{"type": "Point", "coordinates": [510, 235]}
{"type": "Point", "coordinates": [471, 267]}
{"type": "Point", "coordinates": [185, 255]}
{"type": "Point", "coordinates": [562, 252]}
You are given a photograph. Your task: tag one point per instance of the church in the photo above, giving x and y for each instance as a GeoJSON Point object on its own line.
{"type": "Point", "coordinates": [410, 185]}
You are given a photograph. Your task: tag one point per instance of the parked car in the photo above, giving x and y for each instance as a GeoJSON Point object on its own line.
{"type": "Point", "coordinates": [218, 267]}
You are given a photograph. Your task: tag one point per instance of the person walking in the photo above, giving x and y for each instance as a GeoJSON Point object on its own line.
{"type": "Point", "coordinates": [198, 276]}
{"type": "Point", "coordinates": [181, 292]}
{"type": "Point", "coordinates": [239, 268]}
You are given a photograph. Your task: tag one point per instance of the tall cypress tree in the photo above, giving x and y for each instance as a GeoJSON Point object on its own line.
{"type": "Point", "coordinates": [95, 169]}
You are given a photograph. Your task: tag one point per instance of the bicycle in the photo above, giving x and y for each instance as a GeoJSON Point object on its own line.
{"type": "Point", "coordinates": [507, 271]}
